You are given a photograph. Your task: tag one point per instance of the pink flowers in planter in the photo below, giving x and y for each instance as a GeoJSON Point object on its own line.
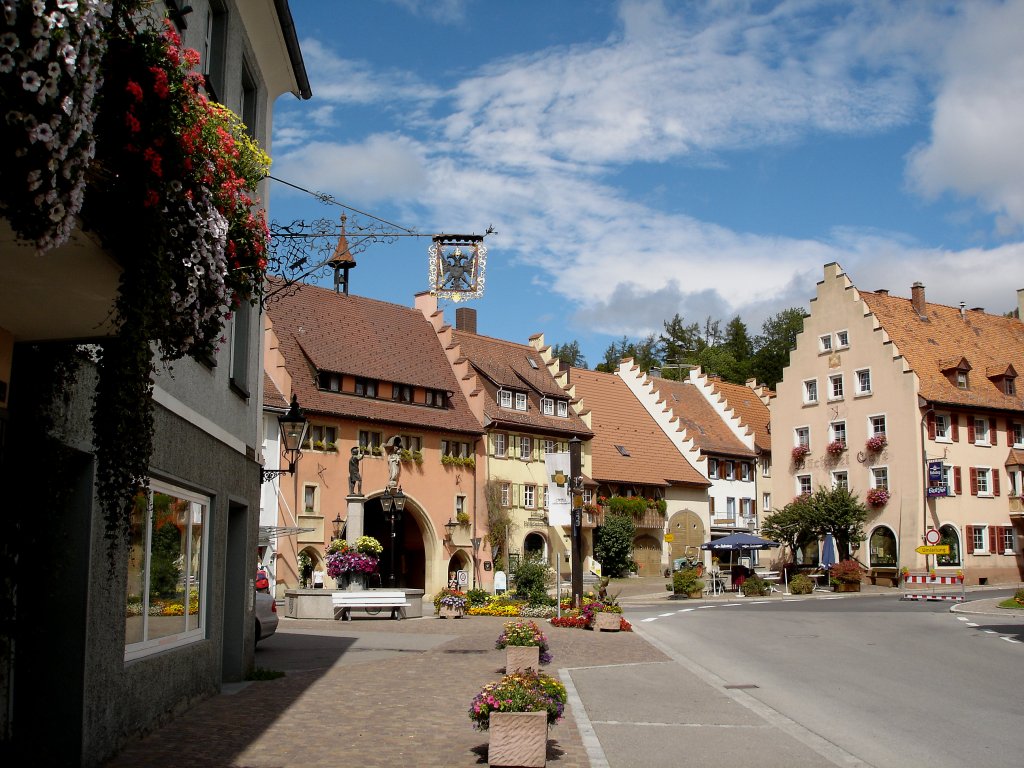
{"type": "Point", "coordinates": [835, 448]}
{"type": "Point", "coordinates": [800, 451]}
{"type": "Point", "coordinates": [878, 497]}
{"type": "Point", "coordinates": [876, 444]}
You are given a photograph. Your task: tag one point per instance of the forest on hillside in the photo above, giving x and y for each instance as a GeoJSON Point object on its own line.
{"type": "Point", "coordinates": [729, 352]}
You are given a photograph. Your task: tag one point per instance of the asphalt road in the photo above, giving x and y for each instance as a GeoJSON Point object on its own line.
{"type": "Point", "coordinates": [895, 684]}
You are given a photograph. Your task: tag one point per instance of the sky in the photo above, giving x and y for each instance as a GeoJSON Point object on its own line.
{"type": "Point", "coordinates": [643, 158]}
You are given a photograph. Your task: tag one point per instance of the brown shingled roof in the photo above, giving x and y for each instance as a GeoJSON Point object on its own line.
{"type": "Point", "coordinates": [322, 330]}
{"type": "Point", "coordinates": [702, 423]}
{"type": "Point", "coordinates": [987, 342]}
{"type": "Point", "coordinates": [506, 364]}
{"type": "Point", "coordinates": [272, 396]}
{"type": "Point", "coordinates": [618, 418]}
{"type": "Point", "coordinates": [749, 409]}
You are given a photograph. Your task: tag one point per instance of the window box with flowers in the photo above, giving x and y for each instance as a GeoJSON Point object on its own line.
{"type": "Point", "coordinates": [876, 444]}
{"type": "Point", "coordinates": [845, 576]}
{"type": "Point", "coordinates": [800, 452]}
{"type": "Point", "coordinates": [835, 448]}
{"type": "Point", "coordinates": [878, 497]}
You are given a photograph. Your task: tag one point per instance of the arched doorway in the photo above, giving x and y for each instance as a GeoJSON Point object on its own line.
{"type": "Point", "coordinates": [459, 561]}
{"type": "Point", "coordinates": [308, 560]}
{"type": "Point", "coordinates": [951, 538]}
{"type": "Point", "coordinates": [687, 531]}
{"type": "Point", "coordinates": [406, 556]}
{"type": "Point", "coordinates": [647, 555]}
{"type": "Point", "coordinates": [535, 546]}
{"type": "Point", "coordinates": [882, 548]}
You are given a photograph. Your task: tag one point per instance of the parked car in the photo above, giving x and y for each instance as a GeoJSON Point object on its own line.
{"type": "Point", "coordinates": [266, 616]}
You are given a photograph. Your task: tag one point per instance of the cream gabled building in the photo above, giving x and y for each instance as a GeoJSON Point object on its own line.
{"type": "Point", "coordinates": [898, 383]}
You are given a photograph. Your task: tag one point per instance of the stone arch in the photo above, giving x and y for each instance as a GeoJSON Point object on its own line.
{"type": "Point", "coordinates": [883, 551]}
{"type": "Point", "coordinates": [414, 543]}
{"type": "Point", "coordinates": [535, 543]}
{"type": "Point", "coordinates": [459, 561]}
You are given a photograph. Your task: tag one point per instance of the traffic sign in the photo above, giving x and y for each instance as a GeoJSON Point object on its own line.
{"type": "Point", "coordinates": [932, 537]}
{"type": "Point", "coordinates": [670, 537]}
{"type": "Point", "coordinates": [938, 549]}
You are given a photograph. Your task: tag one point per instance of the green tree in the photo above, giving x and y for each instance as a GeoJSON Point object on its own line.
{"type": "Point", "coordinates": [164, 569]}
{"type": "Point", "coordinates": [778, 337]}
{"type": "Point", "coordinates": [613, 544]}
{"type": "Point", "coordinates": [532, 577]}
{"type": "Point", "coordinates": [570, 354]}
{"type": "Point", "coordinates": [643, 352]}
{"type": "Point", "coordinates": [792, 525]}
{"type": "Point", "coordinates": [839, 512]}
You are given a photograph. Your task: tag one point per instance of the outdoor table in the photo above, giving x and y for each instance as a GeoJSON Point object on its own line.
{"type": "Point", "coordinates": [773, 578]}
{"type": "Point", "coordinates": [815, 577]}
{"type": "Point", "coordinates": [715, 583]}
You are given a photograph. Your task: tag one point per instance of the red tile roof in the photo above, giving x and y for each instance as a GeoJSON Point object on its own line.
{"type": "Point", "coordinates": [272, 396]}
{"type": "Point", "coordinates": [989, 343]}
{"type": "Point", "coordinates": [618, 418]}
{"type": "Point", "coordinates": [702, 423]}
{"type": "Point", "coordinates": [749, 409]}
{"type": "Point", "coordinates": [506, 364]}
{"type": "Point", "coordinates": [322, 330]}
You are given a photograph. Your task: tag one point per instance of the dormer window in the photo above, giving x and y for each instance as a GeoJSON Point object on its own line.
{"type": "Point", "coordinates": [957, 370]}
{"type": "Point", "coordinates": [547, 406]}
{"type": "Point", "coordinates": [330, 381]}
{"type": "Point", "coordinates": [520, 401]}
{"type": "Point", "coordinates": [961, 380]}
{"type": "Point", "coordinates": [435, 398]}
{"type": "Point", "coordinates": [504, 398]}
{"type": "Point", "coordinates": [1009, 386]}
{"type": "Point", "coordinates": [1004, 377]}
{"type": "Point", "coordinates": [562, 408]}
{"type": "Point", "coordinates": [366, 387]}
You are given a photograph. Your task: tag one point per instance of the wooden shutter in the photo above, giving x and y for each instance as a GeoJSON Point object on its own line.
{"type": "Point", "coordinates": [954, 420]}
{"type": "Point", "coordinates": [931, 425]}
{"type": "Point", "coordinates": [970, 428]}
{"type": "Point", "coordinates": [974, 481]}
{"type": "Point", "coordinates": [711, 505]}
{"type": "Point", "coordinates": [1011, 426]}
{"type": "Point", "coordinates": [970, 540]}
{"type": "Point", "coordinates": [995, 481]}
{"type": "Point", "coordinates": [721, 469]}
{"type": "Point", "coordinates": [993, 433]}
{"type": "Point", "coordinates": [958, 486]}
{"type": "Point", "coordinates": [993, 539]}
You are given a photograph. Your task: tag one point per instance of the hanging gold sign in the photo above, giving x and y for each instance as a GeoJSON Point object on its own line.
{"type": "Point", "coordinates": [457, 265]}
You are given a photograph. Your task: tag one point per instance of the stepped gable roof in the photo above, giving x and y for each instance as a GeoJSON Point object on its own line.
{"type": "Point", "coordinates": [320, 330]}
{"type": "Point", "coordinates": [702, 423]}
{"type": "Point", "coordinates": [507, 365]}
{"type": "Point", "coordinates": [272, 396]}
{"type": "Point", "coordinates": [989, 343]}
{"type": "Point", "coordinates": [618, 418]}
{"type": "Point", "coordinates": [749, 409]}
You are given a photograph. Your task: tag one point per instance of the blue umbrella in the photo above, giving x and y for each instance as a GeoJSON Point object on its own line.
{"type": "Point", "coordinates": [828, 552]}
{"type": "Point", "coordinates": [739, 541]}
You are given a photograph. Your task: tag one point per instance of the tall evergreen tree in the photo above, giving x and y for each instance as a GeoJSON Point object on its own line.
{"type": "Point", "coordinates": [778, 337]}
{"type": "Point", "coordinates": [570, 354]}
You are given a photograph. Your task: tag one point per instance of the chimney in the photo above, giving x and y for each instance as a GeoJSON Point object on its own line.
{"type": "Point", "coordinates": [882, 291]}
{"type": "Point", "coordinates": [917, 299]}
{"type": "Point", "coordinates": [1020, 304]}
{"type": "Point", "coordinates": [465, 319]}
{"type": "Point", "coordinates": [963, 311]}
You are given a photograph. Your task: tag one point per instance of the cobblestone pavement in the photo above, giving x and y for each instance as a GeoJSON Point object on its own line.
{"type": "Point", "coordinates": [401, 706]}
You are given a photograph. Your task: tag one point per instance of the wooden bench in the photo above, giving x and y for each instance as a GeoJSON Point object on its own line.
{"type": "Point", "coordinates": [369, 600]}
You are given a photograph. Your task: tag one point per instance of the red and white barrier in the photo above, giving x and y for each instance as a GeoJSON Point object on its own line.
{"type": "Point", "coordinates": [924, 578]}
{"type": "Point", "coordinates": [929, 579]}
{"type": "Point", "coordinates": [957, 598]}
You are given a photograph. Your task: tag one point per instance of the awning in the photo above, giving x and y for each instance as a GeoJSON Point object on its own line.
{"type": "Point", "coordinates": [269, 532]}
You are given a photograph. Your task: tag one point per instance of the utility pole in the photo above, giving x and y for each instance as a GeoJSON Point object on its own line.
{"type": "Point", "coordinates": [576, 490]}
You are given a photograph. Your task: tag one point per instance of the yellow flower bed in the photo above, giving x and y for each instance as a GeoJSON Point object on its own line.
{"type": "Point", "coordinates": [494, 610]}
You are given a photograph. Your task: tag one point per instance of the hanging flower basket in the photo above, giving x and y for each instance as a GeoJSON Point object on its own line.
{"type": "Point", "coordinates": [836, 448]}
{"type": "Point", "coordinates": [800, 451]}
{"type": "Point", "coordinates": [876, 444]}
{"type": "Point", "coordinates": [878, 497]}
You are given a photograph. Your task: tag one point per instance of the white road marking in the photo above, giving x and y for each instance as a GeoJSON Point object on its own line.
{"type": "Point", "coordinates": [989, 631]}
{"type": "Point", "coordinates": [1011, 640]}
{"type": "Point", "coordinates": [653, 618]}
{"type": "Point", "coordinates": [685, 610]}
{"type": "Point", "coordinates": [729, 605]}
{"type": "Point", "coordinates": [662, 615]}
{"type": "Point", "coordinates": [970, 624]}
{"type": "Point", "coordinates": [962, 618]}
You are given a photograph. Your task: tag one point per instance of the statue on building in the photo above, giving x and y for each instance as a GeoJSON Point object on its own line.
{"type": "Point", "coordinates": [393, 449]}
{"type": "Point", "coordinates": [355, 479]}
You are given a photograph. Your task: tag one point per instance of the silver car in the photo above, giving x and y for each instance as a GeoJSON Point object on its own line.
{"type": "Point", "coordinates": [266, 616]}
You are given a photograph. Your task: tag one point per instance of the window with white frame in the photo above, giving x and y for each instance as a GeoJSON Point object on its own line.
{"type": "Point", "coordinates": [766, 467]}
{"type": "Point", "coordinates": [520, 401]}
{"type": "Point", "coordinates": [811, 391]}
{"type": "Point", "coordinates": [1018, 435]}
{"type": "Point", "coordinates": [309, 498]}
{"type": "Point", "coordinates": [979, 539]}
{"type": "Point", "coordinates": [863, 378]}
{"type": "Point", "coordinates": [876, 424]}
{"type": "Point", "coordinates": [730, 507]}
{"type": "Point", "coordinates": [825, 342]}
{"type": "Point", "coordinates": [550, 446]}
{"type": "Point", "coordinates": [841, 479]}
{"type": "Point", "coordinates": [588, 495]}
{"type": "Point", "coordinates": [981, 432]}
{"type": "Point", "coordinates": [547, 406]}
{"type": "Point", "coordinates": [500, 444]}
{"type": "Point", "coordinates": [167, 567]}
{"type": "Point", "coordinates": [747, 508]}
{"type": "Point", "coordinates": [529, 496]}
{"type": "Point", "coordinates": [803, 485]}
{"type": "Point", "coordinates": [730, 470]}
{"type": "Point", "coordinates": [525, 447]}
{"type": "Point", "coordinates": [563, 408]}
{"type": "Point", "coordinates": [837, 429]}
{"type": "Point", "coordinates": [961, 380]}
{"type": "Point", "coordinates": [504, 398]}
{"type": "Point", "coordinates": [1006, 536]}
{"type": "Point", "coordinates": [984, 480]}
{"type": "Point", "coordinates": [835, 386]}
{"type": "Point", "coordinates": [506, 494]}
{"type": "Point", "coordinates": [766, 502]}
{"type": "Point", "coordinates": [712, 467]}
{"type": "Point", "coordinates": [745, 471]}
{"type": "Point", "coordinates": [880, 477]}
{"type": "Point", "coordinates": [947, 479]}
{"type": "Point", "coordinates": [803, 436]}
{"type": "Point", "coordinates": [842, 339]}
{"type": "Point", "coordinates": [544, 495]}
{"type": "Point", "coordinates": [460, 506]}
{"type": "Point", "coordinates": [942, 428]}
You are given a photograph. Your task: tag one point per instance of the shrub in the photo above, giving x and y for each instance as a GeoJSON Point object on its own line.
{"type": "Point", "coordinates": [1018, 596]}
{"type": "Point", "coordinates": [755, 586]}
{"type": "Point", "coordinates": [801, 585]}
{"type": "Point", "coordinates": [532, 575]}
{"type": "Point", "coordinates": [477, 596]}
{"type": "Point", "coordinates": [845, 572]}
{"type": "Point", "coordinates": [685, 581]}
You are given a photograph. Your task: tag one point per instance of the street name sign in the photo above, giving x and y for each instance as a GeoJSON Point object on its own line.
{"type": "Point", "coordinates": [937, 549]}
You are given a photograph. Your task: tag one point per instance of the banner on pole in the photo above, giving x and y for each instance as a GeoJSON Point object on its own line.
{"type": "Point", "coordinates": [556, 465]}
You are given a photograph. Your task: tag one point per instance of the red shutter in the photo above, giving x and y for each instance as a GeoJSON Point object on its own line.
{"type": "Point", "coordinates": [721, 469]}
{"type": "Point", "coordinates": [993, 539]}
{"type": "Point", "coordinates": [970, 540]}
{"type": "Point", "coordinates": [970, 429]}
{"type": "Point", "coordinates": [958, 486]}
{"type": "Point", "coordinates": [954, 419]}
{"type": "Point", "coordinates": [931, 425]}
{"type": "Point", "coordinates": [974, 481]}
{"type": "Point", "coordinates": [993, 431]}
{"type": "Point", "coordinates": [1010, 427]}
{"type": "Point", "coordinates": [995, 481]}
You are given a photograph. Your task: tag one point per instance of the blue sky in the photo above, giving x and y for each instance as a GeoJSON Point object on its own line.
{"type": "Point", "coordinates": [643, 158]}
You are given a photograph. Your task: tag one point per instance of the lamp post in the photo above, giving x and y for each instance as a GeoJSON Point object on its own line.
{"type": "Point", "coordinates": [293, 426]}
{"type": "Point", "coordinates": [393, 502]}
{"type": "Point", "coordinates": [337, 525]}
{"type": "Point", "coordinates": [450, 527]}
{"type": "Point", "coordinates": [576, 489]}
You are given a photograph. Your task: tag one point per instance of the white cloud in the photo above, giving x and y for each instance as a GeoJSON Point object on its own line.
{"type": "Point", "coordinates": [979, 116]}
{"type": "Point", "coordinates": [343, 81]}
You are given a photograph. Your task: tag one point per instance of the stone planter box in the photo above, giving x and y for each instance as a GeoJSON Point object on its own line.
{"type": "Point", "coordinates": [854, 587]}
{"type": "Point", "coordinates": [607, 621]}
{"type": "Point", "coordinates": [521, 657]}
{"type": "Point", "coordinates": [518, 739]}
{"type": "Point", "coordinates": [451, 613]}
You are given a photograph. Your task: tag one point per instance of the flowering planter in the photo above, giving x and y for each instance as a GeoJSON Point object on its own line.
{"type": "Point", "coordinates": [609, 621]}
{"type": "Point", "coordinates": [518, 739]}
{"type": "Point", "coordinates": [451, 613]}
{"type": "Point", "coordinates": [521, 657]}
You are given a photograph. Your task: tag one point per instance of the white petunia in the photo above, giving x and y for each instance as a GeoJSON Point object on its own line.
{"type": "Point", "coordinates": [57, 212]}
{"type": "Point", "coordinates": [6, 63]}
{"type": "Point", "coordinates": [9, 40]}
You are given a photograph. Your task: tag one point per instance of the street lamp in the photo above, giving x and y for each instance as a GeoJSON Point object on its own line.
{"type": "Point", "coordinates": [293, 434]}
{"type": "Point", "coordinates": [337, 526]}
{"type": "Point", "coordinates": [393, 502]}
{"type": "Point", "coordinates": [450, 526]}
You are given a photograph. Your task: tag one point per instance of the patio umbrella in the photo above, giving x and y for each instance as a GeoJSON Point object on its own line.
{"type": "Point", "coordinates": [828, 552]}
{"type": "Point", "coordinates": [739, 541]}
